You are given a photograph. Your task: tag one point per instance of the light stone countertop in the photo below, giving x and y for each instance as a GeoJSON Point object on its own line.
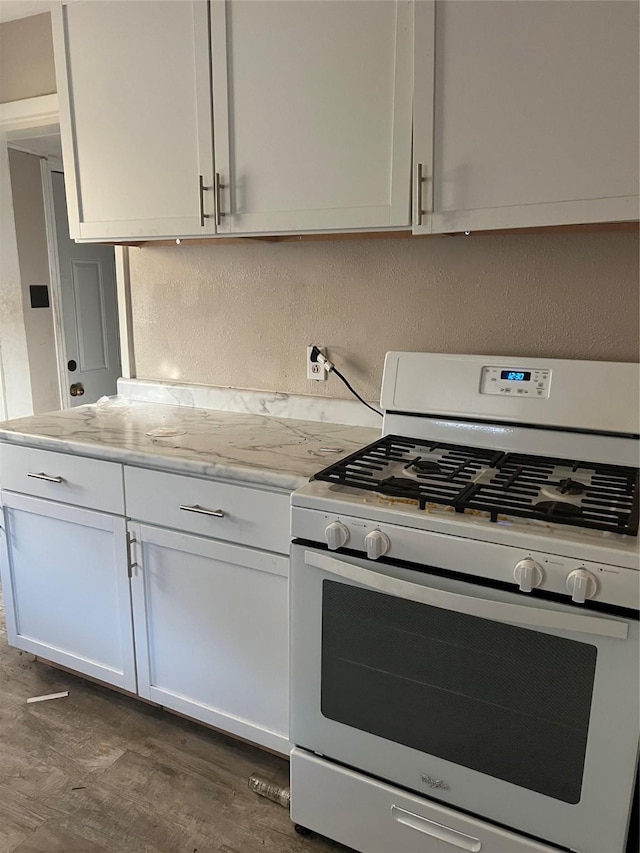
{"type": "Point", "coordinates": [282, 453]}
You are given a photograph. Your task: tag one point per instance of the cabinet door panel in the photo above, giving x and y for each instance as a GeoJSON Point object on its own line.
{"type": "Point", "coordinates": [66, 585]}
{"type": "Point", "coordinates": [536, 112]}
{"type": "Point", "coordinates": [211, 628]}
{"type": "Point", "coordinates": [135, 113]}
{"type": "Point", "coordinates": [317, 96]}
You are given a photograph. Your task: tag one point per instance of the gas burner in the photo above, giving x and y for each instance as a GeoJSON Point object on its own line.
{"type": "Point", "coordinates": [567, 486]}
{"type": "Point", "coordinates": [423, 466]}
{"type": "Point", "coordinates": [552, 493]}
{"type": "Point", "coordinates": [559, 509]}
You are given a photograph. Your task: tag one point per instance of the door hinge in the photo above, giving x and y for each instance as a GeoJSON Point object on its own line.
{"type": "Point", "coordinates": [131, 564]}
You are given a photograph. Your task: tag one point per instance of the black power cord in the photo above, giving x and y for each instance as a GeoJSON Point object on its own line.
{"type": "Point", "coordinates": [330, 367]}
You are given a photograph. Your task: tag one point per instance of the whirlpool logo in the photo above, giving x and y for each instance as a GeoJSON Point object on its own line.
{"type": "Point", "coordinates": [434, 783]}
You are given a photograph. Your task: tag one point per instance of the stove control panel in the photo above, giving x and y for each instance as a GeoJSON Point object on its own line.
{"type": "Point", "coordinates": [525, 571]}
{"type": "Point", "coordinates": [531, 383]}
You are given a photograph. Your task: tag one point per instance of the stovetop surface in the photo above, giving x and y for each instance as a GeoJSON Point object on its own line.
{"type": "Point", "coordinates": [495, 483]}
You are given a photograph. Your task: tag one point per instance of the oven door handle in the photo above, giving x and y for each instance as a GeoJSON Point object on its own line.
{"type": "Point", "coordinates": [499, 611]}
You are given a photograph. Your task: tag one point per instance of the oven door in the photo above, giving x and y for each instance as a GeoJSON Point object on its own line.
{"type": "Point", "coordinates": [514, 708]}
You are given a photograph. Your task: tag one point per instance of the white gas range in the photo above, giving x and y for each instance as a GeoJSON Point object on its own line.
{"type": "Point", "coordinates": [464, 614]}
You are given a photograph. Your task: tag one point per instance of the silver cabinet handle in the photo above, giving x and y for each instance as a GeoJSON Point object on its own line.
{"type": "Point", "coordinates": [218, 513]}
{"type": "Point", "coordinates": [203, 215]}
{"type": "Point", "coordinates": [46, 477]}
{"type": "Point", "coordinates": [420, 211]}
{"type": "Point", "coordinates": [218, 187]}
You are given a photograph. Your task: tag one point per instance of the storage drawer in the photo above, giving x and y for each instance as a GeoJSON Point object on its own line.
{"type": "Point", "coordinates": [373, 817]}
{"type": "Point", "coordinates": [89, 483]}
{"type": "Point", "coordinates": [240, 514]}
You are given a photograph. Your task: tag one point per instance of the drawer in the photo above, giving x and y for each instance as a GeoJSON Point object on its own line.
{"type": "Point", "coordinates": [242, 514]}
{"type": "Point", "coordinates": [90, 483]}
{"type": "Point", "coordinates": [373, 817]}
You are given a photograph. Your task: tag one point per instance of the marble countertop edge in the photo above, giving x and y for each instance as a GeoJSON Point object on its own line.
{"type": "Point", "coordinates": [258, 450]}
{"type": "Point", "coordinates": [223, 472]}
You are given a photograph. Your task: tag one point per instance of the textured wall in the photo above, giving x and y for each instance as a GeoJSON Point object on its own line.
{"type": "Point", "coordinates": [15, 378]}
{"type": "Point", "coordinates": [241, 315]}
{"type": "Point", "coordinates": [26, 58]}
{"type": "Point", "coordinates": [28, 207]}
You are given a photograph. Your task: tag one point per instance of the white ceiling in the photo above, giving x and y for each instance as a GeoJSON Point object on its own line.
{"type": "Point", "coordinates": [44, 141]}
{"type": "Point", "coordinates": [44, 146]}
{"type": "Point", "coordinates": [12, 9]}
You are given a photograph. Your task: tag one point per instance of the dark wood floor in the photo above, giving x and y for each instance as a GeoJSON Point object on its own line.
{"type": "Point", "coordinates": [99, 771]}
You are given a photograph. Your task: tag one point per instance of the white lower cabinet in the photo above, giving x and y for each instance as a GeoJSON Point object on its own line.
{"type": "Point", "coordinates": [66, 587]}
{"type": "Point", "coordinates": [211, 632]}
{"type": "Point", "coordinates": [196, 624]}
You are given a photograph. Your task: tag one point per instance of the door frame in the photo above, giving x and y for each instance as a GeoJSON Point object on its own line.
{"type": "Point", "coordinates": [31, 114]}
{"type": "Point", "coordinates": [47, 167]}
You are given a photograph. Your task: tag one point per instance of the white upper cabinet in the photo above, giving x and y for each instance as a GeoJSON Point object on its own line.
{"type": "Point", "coordinates": [312, 113]}
{"type": "Point", "coordinates": [536, 113]}
{"type": "Point", "coordinates": [135, 116]}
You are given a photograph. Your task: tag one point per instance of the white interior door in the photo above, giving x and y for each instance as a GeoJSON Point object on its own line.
{"type": "Point", "coordinates": [89, 313]}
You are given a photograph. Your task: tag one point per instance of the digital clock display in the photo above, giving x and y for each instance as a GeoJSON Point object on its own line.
{"type": "Point", "coordinates": [516, 375]}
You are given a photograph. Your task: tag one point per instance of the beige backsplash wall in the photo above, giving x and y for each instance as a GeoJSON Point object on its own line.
{"type": "Point", "coordinates": [241, 315]}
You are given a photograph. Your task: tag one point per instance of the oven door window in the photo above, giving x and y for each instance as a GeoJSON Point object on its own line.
{"type": "Point", "coordinates": [506, 701]}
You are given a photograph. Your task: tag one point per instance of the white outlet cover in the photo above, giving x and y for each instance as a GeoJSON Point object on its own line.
{"type": "Point", "coordinates": [315, 371]}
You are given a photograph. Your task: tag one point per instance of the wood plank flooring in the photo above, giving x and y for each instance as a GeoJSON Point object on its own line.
{"type": "Point", "coordinates": [99, 772]}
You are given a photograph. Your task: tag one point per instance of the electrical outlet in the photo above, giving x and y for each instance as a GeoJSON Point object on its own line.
{"type": "Point", "coordinates": [314, 370]}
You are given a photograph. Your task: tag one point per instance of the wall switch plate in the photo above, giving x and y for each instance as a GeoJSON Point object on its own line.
{"type": "Point", "coordinates": [314, 370]}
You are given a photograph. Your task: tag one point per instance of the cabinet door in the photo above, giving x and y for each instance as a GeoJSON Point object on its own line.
{"type": "Point", "coordinates": [135, 118]}
{"type": "Point", "coordinates": [536, 113]}
{"type": "Point", "coordinates": [211, 631]}
{"type": "Point", "coordinates": [66, 587]}
{"type": "Point", "coordinates": [312, 113]}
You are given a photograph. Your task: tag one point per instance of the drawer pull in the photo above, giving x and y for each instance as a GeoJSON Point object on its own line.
{"type": "Point", "coordinates": [436, 830]}
{"type": "Point", "coordinates": [46, 477]}
{"type": "Point", "coordinates": [218, 513]}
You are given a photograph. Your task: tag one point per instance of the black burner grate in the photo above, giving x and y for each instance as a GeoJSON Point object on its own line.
{"type": "Point", "coordinates": [369, 469]}
{"type": "Point", "coordinates": [601, 497]}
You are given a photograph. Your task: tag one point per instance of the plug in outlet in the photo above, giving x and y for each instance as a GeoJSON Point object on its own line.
{"type": "Point", "coordinates": [314, 370]}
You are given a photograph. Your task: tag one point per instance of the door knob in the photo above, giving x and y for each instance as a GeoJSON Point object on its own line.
{"type": "Point", "coordinates": [76, 389]}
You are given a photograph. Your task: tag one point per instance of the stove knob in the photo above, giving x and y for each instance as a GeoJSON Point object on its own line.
{"type": "Point", "coordinates": [377, 544]}
{"type": "Point", "coordinates": [582, 585]}
{"type": "Point", "coordinates": [528, 574]}
{"type": "Point", "coordinates": [336, 535]}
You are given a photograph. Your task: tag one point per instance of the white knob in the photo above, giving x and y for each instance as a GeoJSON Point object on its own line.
{"type": "Point", "coordinates": [528, 574]}
{"type": "Point", "coordinates": [582, 585]}
{"type": "Point", "coordinates": [336, 535]}
{"type": "Point", "coordinates": [377, 544]}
